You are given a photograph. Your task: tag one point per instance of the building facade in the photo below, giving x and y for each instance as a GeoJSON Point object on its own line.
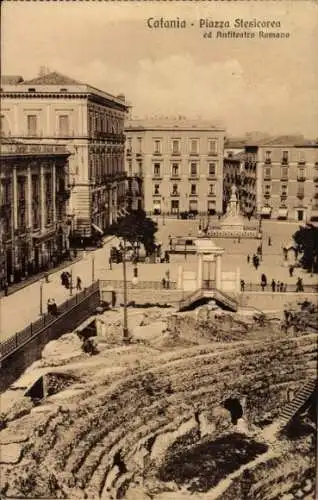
{"type": "Point", "coordinates": [281, 180]}
{"type": "Point", "coordinates": [179, 164]}
{"type": "Point", "coordinates": [233, 168]}
{"type": "Point", "coordinates": [55, 109]}
{"type": "Point", "coordinates": [34, 233]}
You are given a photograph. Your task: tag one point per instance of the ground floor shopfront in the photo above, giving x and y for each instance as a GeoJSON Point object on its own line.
{"type": "Point", "coordinates": [26, 255]}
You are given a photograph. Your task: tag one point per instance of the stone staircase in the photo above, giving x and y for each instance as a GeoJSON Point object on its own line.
{"type": "Point", "coordinates": [219, 296]}
{"type": "Point", "coordinates": [294, 406]}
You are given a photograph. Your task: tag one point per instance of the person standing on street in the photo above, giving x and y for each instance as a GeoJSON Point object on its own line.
{"type": "Point", "coordinates": [263, 282]}
{"type": "Point", "coordinates": [248, 258]}
{"type": "Point", "coordinates": [273, 285]}
{"type": "Point", "coordinates": [242, 285]}
{"type": "Point", "coordinates": [78, 284]}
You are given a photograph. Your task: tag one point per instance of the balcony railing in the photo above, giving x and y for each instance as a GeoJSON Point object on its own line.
{"type": "Point", "coordinates": [174, 194]}
{"type": "Point", "coordinates": [300, 194]}
{"type": "Point", "coordinates": [301, 178]}
{"type": "Point", "coordinates": [268, 161]}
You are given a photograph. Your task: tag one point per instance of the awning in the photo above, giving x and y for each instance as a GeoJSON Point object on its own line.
{"type": "Point", "coordinates": [98, 229]}
{"type": "Point", "coordinates": [282, 213]}
{"type": "Point", "coordinates": [266, 210]}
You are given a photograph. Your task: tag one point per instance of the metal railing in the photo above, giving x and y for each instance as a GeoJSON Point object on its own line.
{"type": "Point", "coordinates": [141, 285]}
{"type": "Point", "coordinates": [287, 288]}
{"type": "Point", "coordinates": [18, 339]}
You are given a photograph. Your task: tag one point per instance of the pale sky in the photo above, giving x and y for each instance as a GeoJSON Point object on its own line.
{"type": "Point", "coordinates": [247, 85]}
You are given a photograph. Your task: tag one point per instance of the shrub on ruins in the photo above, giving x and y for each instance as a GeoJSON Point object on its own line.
{"type": "Point", "coordinates": [136, 227]}
{"type": "Point", "coordinates": [306, 239]}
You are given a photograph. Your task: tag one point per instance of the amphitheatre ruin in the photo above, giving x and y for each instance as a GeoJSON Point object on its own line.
{"type": "Point", "coordinates": [200, 404]}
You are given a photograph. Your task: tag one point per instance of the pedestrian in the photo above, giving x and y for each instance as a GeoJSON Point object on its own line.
{"type": "Point", "coordinates": [66, 281]}
{"type": "Point", "coordinates": [54, 308]}
{"type": "Point", "coordinates": [263, 282]}
{"type": "Point", "coordinates": [291, 271]}
{"type": "Point", "coordinates": [242, 285]}
{"type": "Point", "coordinates": [167, 257]}
{"type": "Point", "coordinates": [281, 287]}
{"type": "Point", "coordinates": [163, 282]}
{"type": "Point", "coordinates": [269, 241]}
{"type": "Point", "coordinates": [49, 306]}
{"type": "Point", "coordinates": [167, 278]}
{"type": "Point", "coordinates": [256, 262]}
{"type": "Point", "coordinates": [5, 287]}
{"type": "Point", "coordinates": [170, 242]}
{"type": "Point", "coordinates": [248, 258]}
{"type": "Point", "coordinates": [285, 287]}
{"type": "Point", "coordinates": [78, 284]}
{"type": "Point", "coordinates": [299, 285]}
{"type": "Point", "coordinates": [277, 286]}
{"type": "Point", "coordinates": [239, 239]}
{"type": "Point", "coordinates": [273, 285]}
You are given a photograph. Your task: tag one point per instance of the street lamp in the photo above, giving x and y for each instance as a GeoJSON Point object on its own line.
{"type": "Point", "coordinates": [163, 213]}
{"type": "Point", "coordinates": [125, 327]}
{"type": "Point", "coordinates": [71, 282]}
{"type": "Point", "coordinates": [41, 298]}
{"type": "Point", "coordinates": [93, 268]}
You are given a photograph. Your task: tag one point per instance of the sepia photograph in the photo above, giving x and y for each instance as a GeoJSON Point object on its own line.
{"type": "Point", "coordinates": [158, 250]}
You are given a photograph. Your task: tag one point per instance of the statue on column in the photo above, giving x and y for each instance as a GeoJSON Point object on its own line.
{"type": "Point", "coordinates": [232, 207]}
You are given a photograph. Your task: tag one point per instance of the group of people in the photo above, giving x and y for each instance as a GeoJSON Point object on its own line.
{"type": "Point", "coordinates": [52, 307]}
{"type": "Point", "coordinates": [276, 286]}
{"type": "Point", "coordinates": [255, 260]}
{"type": "Point", "coordinates": [66, 280]}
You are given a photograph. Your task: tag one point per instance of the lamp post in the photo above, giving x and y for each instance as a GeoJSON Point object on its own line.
{"type": "Point", "coordinates": [71, 282]}
{"type": "Point", "coordinates": [125, 327]}
{"type": "Point", "coordinates": [93, 268]}
{"type": "Point", "coordinates": [41, 298]}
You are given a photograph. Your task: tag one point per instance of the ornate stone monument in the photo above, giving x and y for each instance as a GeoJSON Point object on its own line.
{"type": "Point", "coordinates": [232, 224]}
{"type": "Point", "coordinates": [233, 221]}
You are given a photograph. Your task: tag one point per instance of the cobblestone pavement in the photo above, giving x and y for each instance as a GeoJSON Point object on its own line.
{"type": "Point", "coordinates": [22, 307]}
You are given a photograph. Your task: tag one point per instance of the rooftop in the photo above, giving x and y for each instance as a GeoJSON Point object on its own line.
{"type": "Point", "coordinates": [55, 82]}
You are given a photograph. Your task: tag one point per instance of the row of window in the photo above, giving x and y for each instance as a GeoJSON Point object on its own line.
{"type": "Point", "coordinates": [283, 190]}
{"type": "Point", "coordinates": [301, 172]}
{"type": "Point", "coordinates": [194, 169]}
{"type": "Point", "coordinates": [175, 206]}
{"type": "Point", "coordinates": [175, 145]}
{"type": "Point", "coordinates": [176, 192]}
{"type": "Point", "coordinates": [285, 156]}
{"type": "Point", "coordinates": [101, 124]}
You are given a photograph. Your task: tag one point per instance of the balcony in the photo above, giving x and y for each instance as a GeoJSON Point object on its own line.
{"type": "Point", "coordinates": [284, 161]}
{"type": "Point", "coordinates": [284, 177]}
{"type": "Point", "coordinates": [157, 176]}
{"type": "Point", "coordinates": [266, 195]}
{"type": "Point", "coordinates": [301, 178]}
{"type": "Point", "coordinates": [193, 194]}
{"type": "Point", "coordinates": [175, 177]}
{"type": "Point", "coordinates": [176, 153]}
{"type": "Point", "coordinates": [211, 194]}
{"type": "Point", "coordinates": [174, 193]}
{"type": "Point", "coordinates": [300, 195]}
{"type": "Point", "coordinates": [157, 153]}
{"type": "Point", "coordinates": [193, 176]}
{"type": "Point", "coordinates": [267, 177]}
{"type": "Point", "coordinates": [302, 162]}
{"type": "Point", "coordinates": [268, 161]}
{"type": "Point", "coordinates": [212, 153]}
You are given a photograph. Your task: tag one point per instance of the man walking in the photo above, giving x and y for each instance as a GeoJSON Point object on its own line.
{"type": "Point", "coordinates": [273, 285]}
{"type": "Point", "coordinates": [242, 285]}
{"type": "Point", "coordinates": [78, 284]}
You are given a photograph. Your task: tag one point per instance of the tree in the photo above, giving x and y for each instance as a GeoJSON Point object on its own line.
{"type": "Point", "coordinates": [306, 239]}
{"type": "Point", "coordinates": [136, 227]}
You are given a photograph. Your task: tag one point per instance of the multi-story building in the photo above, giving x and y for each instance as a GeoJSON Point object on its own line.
{"type": "Point", "coordinates": [55, 109]}
{"type": "Point", "coordinates": [33, 196]}
{"type": "Point", "coordinates": [281, 179]}
{"type": "Point", "coordinates": [180, 163]}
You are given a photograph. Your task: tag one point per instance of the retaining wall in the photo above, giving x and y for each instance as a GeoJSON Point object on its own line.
{"type": "Point", "coordinates": [13, 365]}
